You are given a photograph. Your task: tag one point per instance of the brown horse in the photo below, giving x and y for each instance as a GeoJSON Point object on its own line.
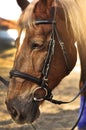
{"type": "Point", "coordinates": [46, 53]}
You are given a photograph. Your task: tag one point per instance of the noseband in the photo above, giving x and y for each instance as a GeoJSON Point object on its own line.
{"type": "Point", "coordinates": [43, 80]}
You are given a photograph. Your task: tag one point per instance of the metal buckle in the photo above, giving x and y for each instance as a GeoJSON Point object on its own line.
{"type": "Point", "coordinates": [41, 98]}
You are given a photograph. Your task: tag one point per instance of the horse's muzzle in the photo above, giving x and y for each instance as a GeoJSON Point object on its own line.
{"type": "Point", "coordinates": [23, 111]}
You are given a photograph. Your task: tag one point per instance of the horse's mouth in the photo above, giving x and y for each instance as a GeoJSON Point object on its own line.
{"type": "Point", "coordinates": [34, 117]}
{"type": "Point", "coordinates": [25, 112]}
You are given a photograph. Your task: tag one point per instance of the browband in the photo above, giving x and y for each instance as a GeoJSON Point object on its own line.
{"type": "Point", "coordinates": [44, 22]}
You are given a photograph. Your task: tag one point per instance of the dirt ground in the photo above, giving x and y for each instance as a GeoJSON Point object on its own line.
{"type": "Point", "coordinates": [53, 117]}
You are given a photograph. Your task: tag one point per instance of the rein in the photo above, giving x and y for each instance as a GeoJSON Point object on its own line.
{"type": "Point", "coordinates": [4, 81]}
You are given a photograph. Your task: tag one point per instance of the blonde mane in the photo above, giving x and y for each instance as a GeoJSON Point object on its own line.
{"type": "Point", "coordinates": [75, 12]}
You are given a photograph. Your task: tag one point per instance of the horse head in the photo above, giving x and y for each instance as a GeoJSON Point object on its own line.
{"type": "Point", "coordinates": [41, 60]}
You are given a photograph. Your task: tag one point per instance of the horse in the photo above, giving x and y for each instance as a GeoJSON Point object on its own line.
{"type": "Point", "coordinates": [45, 54]}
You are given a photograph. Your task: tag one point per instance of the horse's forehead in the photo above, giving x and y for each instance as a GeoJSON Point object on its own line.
{"type": "Point", "coordinates": [28, 16]}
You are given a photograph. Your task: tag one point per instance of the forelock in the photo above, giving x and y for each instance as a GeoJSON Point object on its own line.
{"type": "Point", "coordinates": [26, 18]}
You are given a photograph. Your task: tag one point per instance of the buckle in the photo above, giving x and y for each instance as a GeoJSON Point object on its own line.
{"type": "Point", "coordinates": [39, 94]}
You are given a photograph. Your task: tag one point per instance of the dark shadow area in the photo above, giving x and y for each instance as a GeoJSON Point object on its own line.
{"type": "Point", "coordinates": [6, 42]}
{"type": "Point", "coordinates": [5, 122]}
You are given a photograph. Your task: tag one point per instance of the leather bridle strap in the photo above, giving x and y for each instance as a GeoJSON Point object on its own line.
{"type": "Point", "coordinates": [63, 48]}
{"type": "Point", "coordinates": [4, 81]}
{"type": "Point", "coordinates": [47, 63]}
{"type": "Point", "coordinates": [16, 73]}
{"type": "Point", "coordinates": [63, 102]}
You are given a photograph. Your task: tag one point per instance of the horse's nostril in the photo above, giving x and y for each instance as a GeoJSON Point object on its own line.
{"type": "Point", "coordinates": [17, 115]}
{"type": "Point", "coordinates": [14, 112]}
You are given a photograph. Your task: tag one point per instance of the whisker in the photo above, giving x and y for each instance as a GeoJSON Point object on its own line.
{"type": "Point", "coordinates": [34, 128]}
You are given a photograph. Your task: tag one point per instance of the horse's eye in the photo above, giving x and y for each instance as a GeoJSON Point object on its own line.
{"type": "Point", "coordinates": [35, 45]}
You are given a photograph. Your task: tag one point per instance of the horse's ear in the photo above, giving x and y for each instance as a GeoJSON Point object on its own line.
{"type": "Point", "coordinates": [23, 4]}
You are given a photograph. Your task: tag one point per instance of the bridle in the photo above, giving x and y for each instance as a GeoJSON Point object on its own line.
{"type": "Point", "coordinates": [43, 80]}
